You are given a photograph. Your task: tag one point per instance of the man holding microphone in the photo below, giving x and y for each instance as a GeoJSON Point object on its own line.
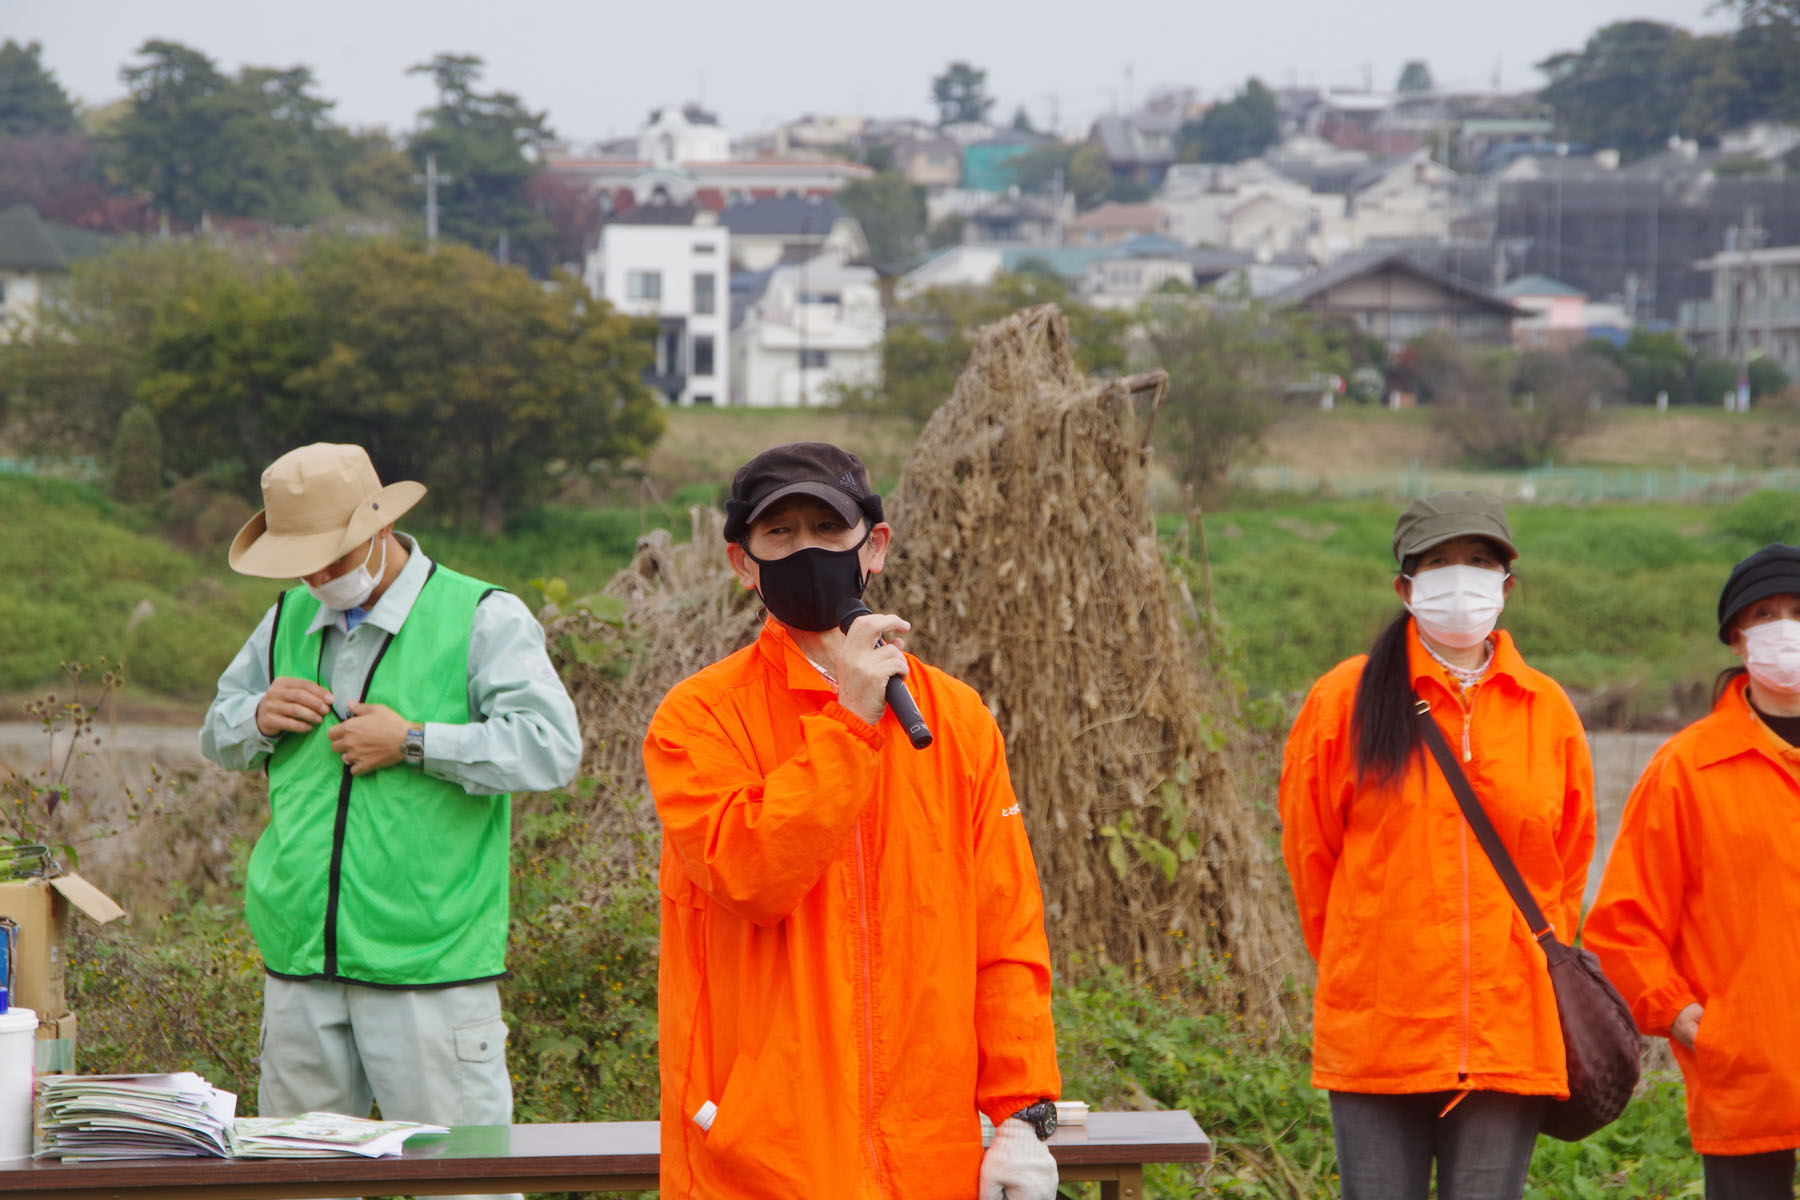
{"type": "Point", "coordinates": [853, 953]}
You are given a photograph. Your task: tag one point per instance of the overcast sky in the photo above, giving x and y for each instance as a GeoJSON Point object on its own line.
{"type": "Point", "coordinates": [598, 66]}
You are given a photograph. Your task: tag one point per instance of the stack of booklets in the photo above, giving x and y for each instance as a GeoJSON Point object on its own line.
{"type": "Point", "coordinates": [83, 1118]}
{"type": "Point", "coordinates": [87, 1118]}
{"type": "Point", "coordinates": [321, 1135]}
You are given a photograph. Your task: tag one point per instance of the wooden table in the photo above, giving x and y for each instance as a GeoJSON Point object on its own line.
{"type": "Point", "coordinates": [620, 1156]}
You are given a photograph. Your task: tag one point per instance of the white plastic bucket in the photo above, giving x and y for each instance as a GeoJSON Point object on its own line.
{"type": "Point", "coordinates": [18, 1070]}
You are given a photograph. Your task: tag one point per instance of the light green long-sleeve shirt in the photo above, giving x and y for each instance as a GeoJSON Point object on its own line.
{"type": "Point", "coordinates": [522, 736]}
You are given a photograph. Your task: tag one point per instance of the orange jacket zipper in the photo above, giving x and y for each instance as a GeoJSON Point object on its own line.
{"type": "Point", "coordinates": [868, 990]}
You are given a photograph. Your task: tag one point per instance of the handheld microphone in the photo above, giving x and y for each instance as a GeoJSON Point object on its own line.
{"type": "Point", "coordinates": [906, 710]}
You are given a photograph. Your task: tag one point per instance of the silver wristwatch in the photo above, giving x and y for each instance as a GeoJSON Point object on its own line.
{"type": "Point", "coordinates": [413, 748]}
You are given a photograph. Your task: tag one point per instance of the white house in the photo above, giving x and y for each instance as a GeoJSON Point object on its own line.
{"type": "Point", "coordinates": [769, 230]}
{"type": "Point", "coordinates": [687, 134]}
{"type": "Point", "coordinates": [817, 324]}
{"type": "Point", "coordinates": [1407, 199]}
{"type": "Point", "coordinates": [672, 262]}
{"type": "Point", "coordinates": [35, 256]}
{"type": "Point", "coordinates": [1755, 307]}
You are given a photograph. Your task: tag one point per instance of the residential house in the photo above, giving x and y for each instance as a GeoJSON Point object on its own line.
{"type": "Point", "coordinates": [986, 164]}
{"type": "Point", "coordinates": [672, 262]}
{"type": "Point", "coordinates": [1409, 198]}
{"type": "Point", "coordinates": [1558, 317]}
{"type": "Point", "coordinates": [1316, 164]}
{"type": "Point", "coordinates": [1127, 282]}
{"type": "Point", "coordinates": [931, 163]}
{"type": "Point", "coordinates": [1396, 298]}
{"type": "Point", "coordinates": [1222, 205]}
{"type": "Point", "coordinates": [1017, 220]}
{"type": "Point", "coordinates": [976, 266]}
{"type": "Point", "coordinates": [1754, 309]}
{"type": "Point", "coordinates": [1111, 223]}
{"type": "Point", "coordinates": [1146, 266]}
{"type": "Point", "coordinates": [816, 326]}
{"type": "Point", "coordinates": [769, 230]}
{"type": "Point", "coordinates": [1139, 147]}
{"type": "Point", "coordinates": [683, 156]}
{"type": "Point", "coordinates": [35, 256]}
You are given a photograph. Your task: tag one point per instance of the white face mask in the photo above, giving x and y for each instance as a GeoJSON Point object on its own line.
{"type": "Point", "coordinates": [1772, 655]}
{"type": "Point", "coordinates": [1457, 606]}
{"type": "Point", "coordinates": [353, 588]}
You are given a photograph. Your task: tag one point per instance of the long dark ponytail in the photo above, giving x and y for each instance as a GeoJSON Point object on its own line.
{"type": "Point", "coordinates": [1383, 723]}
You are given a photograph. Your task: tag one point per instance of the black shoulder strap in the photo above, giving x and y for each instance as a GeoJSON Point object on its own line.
{"type": "Point", "coordinates": [1484, 828]}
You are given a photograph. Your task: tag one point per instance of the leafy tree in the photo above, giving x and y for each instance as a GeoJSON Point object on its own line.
{"type": "Point", "coordinates": [891, 212]}
{"type": "Point", "coordinates": [1021, 122]}
{"type": "Point", "coordinates": [449, 367]}
{"type": "Point", "coordinates": [1415, 76]}
{"type": "Point", "coordinates": [1766, 56]}
{"type": "Point", "coordinates": [1637, 83]}
{"type": "Point", "coordinates": [1239, 128]}
{"type": "Point", "coordinates": [1508, 410]}
{"type": "Point", "coordinates": [200, 143]}
{"type": "Point", "coordinates": [960, 94]}
{"type": "Point", "coordinates": [137, 457]}
{"type": "Point", "coordinates": [482, 142]}
{"type": "Point", "coordinates": [31, 101]}
{"type": "Point", "coordinates": [169, 144]}
{"type": "Point", "coordinates": [1654, 364]}
{"type": "Point", "coordinates": [1229, 365]}
{"type": "Point", "coordinates": [69, 385]}
{"type": "Point", "coordinates": [1081, 166]}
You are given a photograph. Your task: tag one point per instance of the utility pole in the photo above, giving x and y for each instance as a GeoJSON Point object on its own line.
{"type": "Point", "coordinates": [431, 204]}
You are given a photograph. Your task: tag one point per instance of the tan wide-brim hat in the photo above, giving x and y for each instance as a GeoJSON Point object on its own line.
{"type": "Point", "coordinates": [318, 502]}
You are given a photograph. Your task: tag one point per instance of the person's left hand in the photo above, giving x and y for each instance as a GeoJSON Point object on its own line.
{"type": "Point", "coordinates": [1017, 1166]}
{"type": "Point", "coordinates": [374, 737]}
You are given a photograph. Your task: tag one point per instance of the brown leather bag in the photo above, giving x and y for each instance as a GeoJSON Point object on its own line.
{"type": "Point", "coordinates": [1600, 1040]}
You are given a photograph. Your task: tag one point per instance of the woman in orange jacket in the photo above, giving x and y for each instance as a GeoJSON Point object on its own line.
{"type": "Point", "coordinates": [1698, 920]}
{"type": "Point", "coordinates": [1434, 1023]}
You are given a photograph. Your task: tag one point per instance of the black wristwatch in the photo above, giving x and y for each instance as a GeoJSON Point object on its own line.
{"type": "Point", "coordinates": [1041, 1117]}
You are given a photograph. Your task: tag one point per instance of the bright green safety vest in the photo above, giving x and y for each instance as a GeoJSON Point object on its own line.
{"type": "Point", "coordinates": [390, 878]}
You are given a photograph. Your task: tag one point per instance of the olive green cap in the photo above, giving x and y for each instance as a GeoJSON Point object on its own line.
{"type": "Point", "coordinates": [1434, 519]}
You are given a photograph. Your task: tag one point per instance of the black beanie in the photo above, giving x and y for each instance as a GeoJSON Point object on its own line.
{"type": "Point", "coordinates": [1772, 571]}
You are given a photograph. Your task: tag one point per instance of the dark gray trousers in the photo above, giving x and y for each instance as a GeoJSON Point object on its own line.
{"type": "Point", "coordinates": [1386, 1145]}
{"type": "Point", "coordinates": [1768, 1176]}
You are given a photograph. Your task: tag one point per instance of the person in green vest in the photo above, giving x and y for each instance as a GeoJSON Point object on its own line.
{"type": "Point", "coordinates": [395, 704]}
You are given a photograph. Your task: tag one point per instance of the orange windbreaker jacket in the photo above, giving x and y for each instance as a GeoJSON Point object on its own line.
{"type": "Point", "coordinates": [1429, 979]}
{"type": "Point", "coordinates": [853, 950]}
{"type": "Point", "coordinates": [1701, 904]}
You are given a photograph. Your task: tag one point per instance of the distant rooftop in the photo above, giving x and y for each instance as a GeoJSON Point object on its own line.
{"type": "Point", "coordinates": [793, 216]}
{"type": "Point", "coordinates": [1538, 285]}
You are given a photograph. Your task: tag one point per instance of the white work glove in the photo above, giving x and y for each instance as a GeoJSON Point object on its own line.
{"type": "Point", "coordinates": [1017, 1166]}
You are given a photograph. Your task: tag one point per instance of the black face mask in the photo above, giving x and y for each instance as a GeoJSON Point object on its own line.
{"type": "Point", "coordinates": [805, 589]}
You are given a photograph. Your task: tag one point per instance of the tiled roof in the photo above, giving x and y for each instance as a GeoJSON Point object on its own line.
{"type": "Point", "coordinates": [792, 216]}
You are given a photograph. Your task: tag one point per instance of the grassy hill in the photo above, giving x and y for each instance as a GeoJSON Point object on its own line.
{"type": "Point", "coordinates": [1615, 597]}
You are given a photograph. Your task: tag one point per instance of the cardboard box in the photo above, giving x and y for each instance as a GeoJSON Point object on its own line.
{"type": "Point", "coordinates": [40, 907]}
{"type": "Point", "coordinates": [56, 1045]}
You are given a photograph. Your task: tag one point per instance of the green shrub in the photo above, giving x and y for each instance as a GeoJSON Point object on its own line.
{"type": "Point", "coordinates": [137, 457]}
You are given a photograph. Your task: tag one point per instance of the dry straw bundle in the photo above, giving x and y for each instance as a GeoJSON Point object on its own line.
{"type": "Point", "coordinates": [682, 610]}
{"type": "Point", "coordinates": [1025, 559]}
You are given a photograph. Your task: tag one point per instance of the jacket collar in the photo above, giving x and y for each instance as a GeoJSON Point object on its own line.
{"type": "Point", "coordinates": [777, 645]}
{"type": "Point", "coordinates": [1734, 729]}
{"type": "Point", "coordinates": [391, 610]}
{"type": "Point", "coordinates": [1421, 667]}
